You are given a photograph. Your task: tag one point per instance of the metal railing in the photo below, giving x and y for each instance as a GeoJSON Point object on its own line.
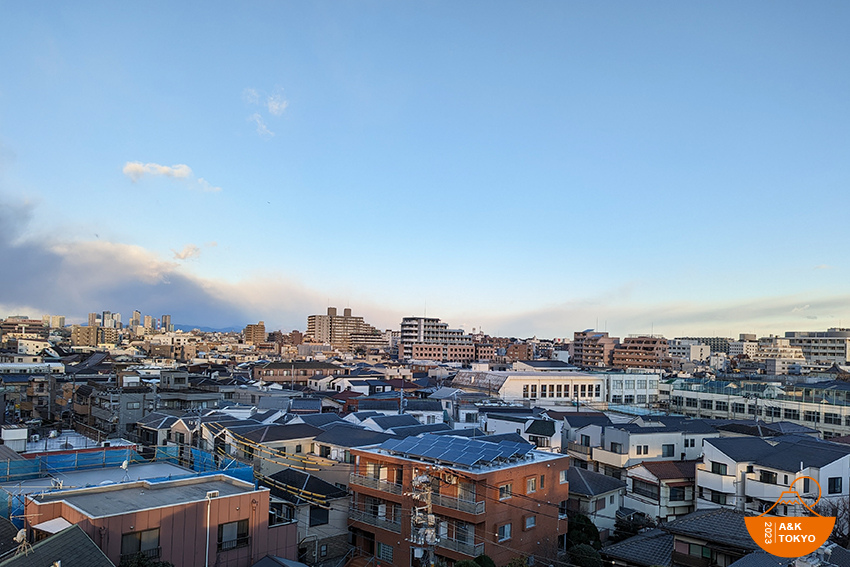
{"type": "Point", "coordinates": [377, 484]}
{"type": "Point", "coordinates": [152, 553]}
{"type": "Point", "coordinates": [473, 550]}
{"type": "Point", "coordinates": [579, 448]}
{"type": "Point", "coordinates": [455, 504]}
{"type": "Point", "coordinates": [374, 520]}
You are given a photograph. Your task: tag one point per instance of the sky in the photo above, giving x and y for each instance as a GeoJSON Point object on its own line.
{"type": "Point", "coordinates": [540, 168]}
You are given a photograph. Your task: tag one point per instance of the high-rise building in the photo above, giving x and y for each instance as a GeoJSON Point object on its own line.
{"type": "Point", "coordinates": [428, 331]}
{"type": "Point", "coordinates": [591, 348]}
{"type": "Point", "coordinates": [93, 319]}
{"type": "Point", "coordinates": [641, 351]}
{"type": "Point", "coordinates": [255, 334]}
{"type": "Point", "coordinates": [166, 323]}
{"type": "Point", "coordinates": [136, 319]}
{"type": "Point", "coordinates": [337, 330]}
{"type": "Point", "coordinates": [53, 321]}
{"type": "Point", "coordinates": [148, 324]}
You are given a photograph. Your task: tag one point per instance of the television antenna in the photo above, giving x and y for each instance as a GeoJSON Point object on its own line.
{"type": "Point", "coordinates": [125, 466]}
{"type": "Point", "coordinates": [23, 545]}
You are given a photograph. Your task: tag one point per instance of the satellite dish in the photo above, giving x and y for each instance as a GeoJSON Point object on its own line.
{"type": "Point", "coordinates": [21, 536]}
{"type": "Point", "coordinates": [125, 464]}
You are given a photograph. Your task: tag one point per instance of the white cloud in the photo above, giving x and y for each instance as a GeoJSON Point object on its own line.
{"type": "Point", "coordinates": [823, 267]}
{"type": "Point", "coordinates": [799, 309]}
{"type": "Point", "coordinates": [136, 169]}
{"type": "Point", "coordinates": [277, 104]}
{"type": "Point", "coordinates": [206, 186]}
{"type": "Point", "coordinates": [189, 252]}
{"type": "Point", "coordinates": [251, 96]}
{"type": "Point", "coordinates": [262, 129]}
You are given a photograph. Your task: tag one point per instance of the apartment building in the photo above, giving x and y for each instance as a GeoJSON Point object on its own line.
{"type": "Point", "coordinates": [822, 347]}
{"type": "Point", "coordinates": [428, 330]}
{"type": "Point", "coordinates": [255, 334]}
{"type": "Point", "coordinates": [663, 490]}
{"type": "Point", "coordinates": [212, 520]}
{"type": "Point", "coordinates": [690, 351]}
{"type": "Point", "coordinates": [642, 352]}
{"type": "Point", "coordinates": [591, 348]}
{"type": "Point", "coordinates": [337, 330]}
{"type": "Point", "coordinates": [465, 497]}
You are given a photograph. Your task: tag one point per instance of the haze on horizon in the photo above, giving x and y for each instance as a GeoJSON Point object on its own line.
{"type": "Point", "coordinates": [526, 169]}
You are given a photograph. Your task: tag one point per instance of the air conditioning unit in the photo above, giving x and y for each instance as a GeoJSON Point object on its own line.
{"type": "Point", "coordinates": [212, 494]}
{"type": "Point", "coordinates": [449, 479]}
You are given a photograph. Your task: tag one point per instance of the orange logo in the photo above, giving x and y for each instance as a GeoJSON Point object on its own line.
{"type": "Point", "coordinates": [791, 536]}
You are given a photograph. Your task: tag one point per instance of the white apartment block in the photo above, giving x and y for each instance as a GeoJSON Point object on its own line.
{"type": "Point", "coordinates": [740, 348]}
{"type": "Point", "coordinates": [688, 350]}
{"type": "Point", "coordinates": [428, 330]}
{"type": "Point", "coordinates": [824, 347]}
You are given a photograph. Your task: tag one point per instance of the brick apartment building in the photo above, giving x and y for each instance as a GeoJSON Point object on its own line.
{"type": "Point", "coordinates": [590, 348]}
{"type": "Point", "coordinates": [185, 521]}
{"type": "Point", "coordinates": [500, 499]}
{"type": "Point", "coordinates": [642, 352]}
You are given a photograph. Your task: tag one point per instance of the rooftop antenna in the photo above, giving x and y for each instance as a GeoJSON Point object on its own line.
{"type": "Point", "coordinates": [23, 545]}
{"type": "Point", "coordinates": [125, 467]}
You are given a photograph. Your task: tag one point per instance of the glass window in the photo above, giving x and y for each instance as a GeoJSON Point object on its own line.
{"type": "Point", "coordinates": [530, 522]}
{"type": "Point", "coordinates": [318, 516]}
{"type": "Point", "coordinates": [563, 476]}
{"type": "Point", "coordinates": [718, 468]}
{"type": "Point", "coordinates": [667, 450]}
{"type": "Point", "coordinates": [834, 485]}
{"type": "Point", "coordinates": [677, 493]}
{"type": "Point", "coordinates": [232, 535]}
{"type": "Point", "coordinates": [531, 485]}
{"type": "Point", "coordinates": [504, 532]}
{"type": "Point", "coordinates": [385, 552]}
{"type": "Point", "coordinates": [145, 542]}
{"type": "Point", "coordinates": [505, 491]}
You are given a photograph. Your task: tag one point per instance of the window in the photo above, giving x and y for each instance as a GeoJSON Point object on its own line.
{"type": "Point", "coordinates": [617, 385]}
{"type": "Point", "coordinates": [668, 450]}
{"type": "Point", "coordinates": [318, 516]}
{"type": "Point", "coordinates": [706, 404]}
{"type": "Point", "coordinates": [812, 416]}
{"type": "Point", "coordinates": [641, 398]}
{"type": "Point", "coordinates": [646, 489]}
{"type": "Point", "coordinates": [630, 384]}
{"type": "Point", "coordinates": [584, 390]}
{"type": "Point", "coordinates": [133, 405]}
{"type": "Point", "coordinates": [834, 485]}
{"type": "Point", "coordinates": [145, 542]}
{"type": "Point", "coordinates": [629, 399]}
{"type": "Point", "coordinates": [531, 485]}
{"type": "Point", "coordinates": [563, 476]}
{"type": "Point", "coordinates": [738, 407]}
{"type": "Point", "coordinates": [504, 532]}
{"type": "Point", "coordinates": [385, 552]}
{"type": "Point", "coordinates": [721, 406]}
{"type": "Point", "coordinates": [616, 448]}
{"type": "Point", "coordinates": [718, 497]}
{"type": "Point", "coordinates": [792, 414]}
{"type": "Point", "coordinates": [718, 468]}
{"type": "Point", "coordinates": [298, 448]}
{"type": "Point", "coordinates": [690, 402]}
{"type": "Point", "coordinates": [776, 412]}
{"type": "Point", "coordinates": [233, 535]}
{"type": "Point", "coordinates": [323, 550]}
{"type": "Point", "coordinates": [600, 504]}
{"type": "Point", "coordinates": [832, 418]}
{"type": "Point", "coordinates": [534, 390]}
{"type": "Point", "coordinates": [563, 508]}
{"type": "Point", "coordinates": [558, 391]}
{"type": "Point", "coordinates": [616, 399]}
{"type": "Point", "coordinates": [585, 440]}
{"type": "Point", "coordinates": [677, 493]}
{"type": "Point", "coordinates": [598, 390]}
{"type": "Point", "coordinates": [768, 477]}
{"type": "Point", "coordinates": [525, 390]}
{"type": "Point", "coordinates": [641, 384]}
{"type": "Point", "coordinates": [530, 522]}
{"type": "Point", "coordinates": [505, 491]}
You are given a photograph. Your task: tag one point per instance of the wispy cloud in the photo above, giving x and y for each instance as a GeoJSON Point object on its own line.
{"type": "Point", "coordinates": [800, 309]}
{"type": "Point", "coordinates": [135, 170]}
{"type": "Point", "coordinates": [262, 129]}
{"type": "Point", "coordinates": [271, 106]}
{"type": "Point", "coordinates": [822, 267]}
{"type": "Point", "coordinates": [189, 251]}
{"type": "Point", "coordinates": [277, 104]}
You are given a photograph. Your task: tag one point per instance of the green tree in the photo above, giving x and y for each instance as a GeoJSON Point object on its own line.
{"type": "Point", "coordinates": [584, 555]}
{"type": "Point", "coordinates": [518, 561]}
{"type": "Point", "coordinates": [466, 563]}
{"type": "Point", "coordinates": [582, 531]}
{"type": "Point", "coordinates": [140, 560]}
{"type": "Point", "coordinates": [485, 561]}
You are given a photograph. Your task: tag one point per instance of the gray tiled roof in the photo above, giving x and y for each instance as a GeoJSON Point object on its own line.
{"type": "Point", "coordinates": [652, 547]}
{"type": "Point", "coordinates": [71, 546]}
{"type": "Point", "coordinates": [589, 483]}
{"type": "Point", "coordinates": [762, 559]}
{"type": "Point", "coordinates": [352, 436]}
{"type": "Point", "coordinates": [721, 525]}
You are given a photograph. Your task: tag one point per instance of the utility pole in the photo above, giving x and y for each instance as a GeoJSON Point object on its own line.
{"type": "Point", "coordinates": [424, 526]}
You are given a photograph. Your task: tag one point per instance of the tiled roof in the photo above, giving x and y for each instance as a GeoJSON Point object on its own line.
{"type": "Point", "coordinates": [300, 482]}
{"type": "Point", "coordinates": [762, 559]}
{"type": "Point", "coordinates": [652, 547]}
{"type": "Point", "coordinates": [670, 470]}
{"type": "Point", "coordinates": [589, 483]}
{"type": "Point", "coordinates": [71, 546]}
{"type": "Point", "coordinates": [721, 525]}
{"type": "Point", "coordinates": [352, 436]}
{"type": "Point", "coordinates": [270, 433]}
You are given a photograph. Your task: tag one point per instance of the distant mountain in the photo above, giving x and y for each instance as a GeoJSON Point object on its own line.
{"type": "Point", "coordinates": [208, 329]}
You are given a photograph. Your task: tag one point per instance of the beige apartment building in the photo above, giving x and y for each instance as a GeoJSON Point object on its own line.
{"type": "Point", "coordinates": [337, 330]}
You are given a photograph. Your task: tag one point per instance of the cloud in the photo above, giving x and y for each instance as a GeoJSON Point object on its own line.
{"type": "Point", "coordinates": [799, 309]}
{"type": "Point", "coordinates": [276, 104]}
{"type": "Point", "coordinates": [136, 169]}
{"type": "Point", "coordinates": [250, 96]}
{"type": "Point", "coordinates": [262, 129]}
{"type": "Point", "coordinates": [189, 252]}
{"type": "Point", "coordinates": [822, 267]}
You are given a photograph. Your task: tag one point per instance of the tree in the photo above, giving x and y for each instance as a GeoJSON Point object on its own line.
{"type": "Point", "coordinates": [626, 527]}
{"type": "Point", "coordinates": [839, 508]}
{"type": "Point", "coordinates": [518, 561]}
{"type": "Point", "coordinates": [582, 531]}
{"type": "Point", "coordinates": [466, 563]}
{"type": "Point", "coordinates": [484, 561]}
{"type": "Point", "coordinates": [140, 560]}
{"type": "Point", "coordinates": [584, 555]}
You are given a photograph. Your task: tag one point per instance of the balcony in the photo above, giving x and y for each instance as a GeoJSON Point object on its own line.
{"type": "Point", "coordinates": [455, 504]}
{"type": "Point", "coordinates": [374, 520]}
{"type": "Point", "coordinates": [147, 553]}
{"type": "Point", "coordinates": [763, 490]}
{"type": "Point", "coordinates": [680, 558]}
{"type": "Point", "coordinates": [473, 550]}
{"type": "Point", "coordinates": [610, 458]}
{"type": "Point", "coordinates": [715, 482]}
{"type": "Point", "coordinates": [574, 447]}
{"type": "Point", "coordinates": [375, 483]}
{"type": "Point", "coordinates": [242, 541]}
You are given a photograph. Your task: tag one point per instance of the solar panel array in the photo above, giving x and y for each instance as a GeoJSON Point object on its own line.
{"type": "Point", "coordinates": [457, 450]}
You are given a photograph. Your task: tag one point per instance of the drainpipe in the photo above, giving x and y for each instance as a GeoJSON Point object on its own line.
{"type": "Point", "coordinates": [207, 548]}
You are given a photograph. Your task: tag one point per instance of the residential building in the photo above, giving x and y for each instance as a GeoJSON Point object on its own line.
{"type": "Point", "coordinates": [662, 490]}
{"type": "Point", "coordinates": [822, 347]}
{"type": "Point", "coordinates": [688, 351]}
{"type": "Point", "coordinates": [337, 330]}
{"type": "Point", "coordinates": [716, 344]}
{"type": "Point", "coordinates": [641, 351]}
{"type": "Point", "coordinates": [168, 520]}
{"type": "Point", "coordinates": [596, 496]}
{"type": "Point", "coordinates": [255, 334]}
{"type": "Point", "coordinates": [591, 348]}
{"type": "Point", "coordinates": [479, 494]}
{"type": "Point", "coordinates": [428, 331]}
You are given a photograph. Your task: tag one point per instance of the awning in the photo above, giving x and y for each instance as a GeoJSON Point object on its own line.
{"type": "Point", "coordinates": [680, 483]}
{"type": "Point", "coordinates": [53, 526]}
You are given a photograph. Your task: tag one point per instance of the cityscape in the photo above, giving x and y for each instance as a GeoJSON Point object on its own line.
{"type": "Point", "coordinates": [424, 284]}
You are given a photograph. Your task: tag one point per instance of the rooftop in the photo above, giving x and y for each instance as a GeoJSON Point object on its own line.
{"type": "Point", "coordinates": [118, 499]}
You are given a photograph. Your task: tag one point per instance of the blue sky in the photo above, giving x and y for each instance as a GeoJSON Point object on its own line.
{"type": "Point", "coordinates": [532, 168]}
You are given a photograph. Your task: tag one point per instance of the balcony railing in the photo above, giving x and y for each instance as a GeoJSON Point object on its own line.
{"type": "Point", "coordinates": [473, 550]}
{"type": "Point", "coordinates": [148, 553]}
{"type": "Point", "coordinates": [377, 484]}
{"type": "Point", "coordinates": [374, 520]}
{"type": "Point", "coordinates": [455, 504]}
{"type": "Point", "coordinates": [243, 541]}
{"type": "Point", "coordinates": [579, 448]}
